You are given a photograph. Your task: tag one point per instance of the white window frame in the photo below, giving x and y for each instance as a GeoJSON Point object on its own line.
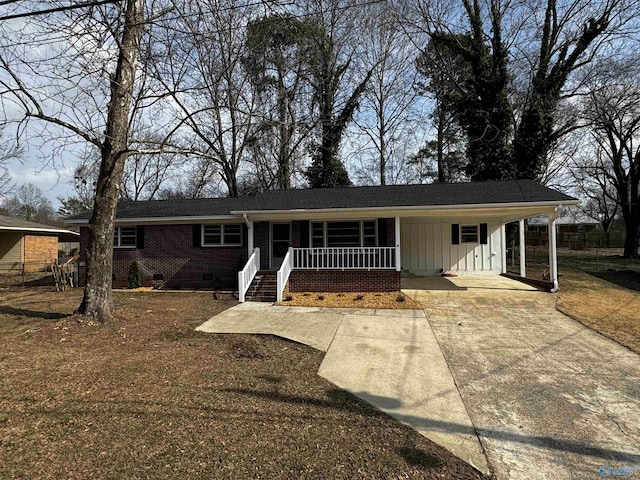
{"type": "Point", "coordinates": [477, 240]}
{"type": "Point", "coordinates": [117, 236]}
{"type": "Point", "coordinates": [222, 235]}
{"type": "Point", "coordinates": [325, 232]}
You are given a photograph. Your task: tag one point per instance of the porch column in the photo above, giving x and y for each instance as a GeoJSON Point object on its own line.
{"type": "Point", "coordinates": [250, 239]}
{"type": "Point", "coordinates": [503, 241]}
{"type": "Point", "coordinates": [523, 249]}
{"type": "Point", "coordinates": [397, 242]}
{"type": "Point", "coordinates": [553, 257]}
{"type": "Point", "coordinates": [249, 224]}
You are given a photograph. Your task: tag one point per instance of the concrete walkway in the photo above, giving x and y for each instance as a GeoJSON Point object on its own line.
{"type": "Point", "coordinates": [549, 397]}
{"type": "Point", "coordinates": [389, 358]}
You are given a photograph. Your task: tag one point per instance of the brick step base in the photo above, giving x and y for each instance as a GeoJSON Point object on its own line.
{"type": "Point", "coordinates": [263, 288]}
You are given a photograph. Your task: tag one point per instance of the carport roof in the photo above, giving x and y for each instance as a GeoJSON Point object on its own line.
{"type": "Point", "coordinates": [19, 225]}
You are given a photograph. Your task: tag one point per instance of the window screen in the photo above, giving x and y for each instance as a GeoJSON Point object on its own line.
{"type": "Point", "coordinates": [468, 233]}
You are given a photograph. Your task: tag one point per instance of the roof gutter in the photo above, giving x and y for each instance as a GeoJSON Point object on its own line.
{"type": "Point", "coordinates": [37, 230]}
{"type": "Point", "coordinates": [243, 214]}
{"type": "Point", "coordinates": [409, 208]}
{"type": "Point", "coordinates": [186, 219]}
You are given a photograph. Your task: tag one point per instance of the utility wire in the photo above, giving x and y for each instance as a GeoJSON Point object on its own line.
{"type": "Point", "coordinates": [56, 9]}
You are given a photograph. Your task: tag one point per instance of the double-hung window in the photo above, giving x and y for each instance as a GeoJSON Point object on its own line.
{"type": "Point", "coordinates": [224, 234]}
{"type": "Point", "coordinates": [359, 233]}
{"type": "Point", "coordinates": [124, 237]}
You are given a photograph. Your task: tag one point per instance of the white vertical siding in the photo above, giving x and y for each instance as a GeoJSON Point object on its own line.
{"type": "Point", "coordinates": [11, 252]}
{"type": "Point", "coordinates": [426, 249]}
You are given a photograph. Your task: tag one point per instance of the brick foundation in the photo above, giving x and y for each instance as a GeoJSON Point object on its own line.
{"type": "Point", "coordinates": [344, 281]}
{"type": "Point", "coordinates": [39, 252]}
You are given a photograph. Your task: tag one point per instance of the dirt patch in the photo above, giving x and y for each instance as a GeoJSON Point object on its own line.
{"type": "Point", "coordinates": [392, 300]}
{"type": "Point", "coordinates": [148, 397]}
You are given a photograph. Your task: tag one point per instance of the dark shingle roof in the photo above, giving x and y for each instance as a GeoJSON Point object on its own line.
{"type": "Point", "coordinates": [195, 207]}
{"type": "Point", "coordinates": [506, 191]}
{"type": "Point", "coordinates": [437, 194]}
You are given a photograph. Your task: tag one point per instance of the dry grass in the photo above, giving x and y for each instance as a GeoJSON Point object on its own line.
{"type": "Point", "coordinates": [393, 300]}
{"type": "Point", "coordinates": [600, 290]}
{"type": "Point", "coordinates": [148, 397]}
{"type": "Point", "coordinates": [603, 306]}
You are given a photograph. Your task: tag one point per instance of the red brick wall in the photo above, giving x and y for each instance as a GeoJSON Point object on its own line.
{"type": "Point", "coordinates": [344, 281]}
{"type": "Point", "coordinates": [39, 251]}
{"type": "Point", "coordinates": [169, 251]}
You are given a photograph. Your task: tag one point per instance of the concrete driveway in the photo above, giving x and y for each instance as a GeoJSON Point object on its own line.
{"type": "Point", "coordinates": [548, 397]}
{"type": "Point", "coordinates": [388, 358]}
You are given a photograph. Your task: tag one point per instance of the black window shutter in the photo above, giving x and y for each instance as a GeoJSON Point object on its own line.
{"type": "Point", "coordinates": [383, 232]}
{"type": "Point", "coordinates": [139, 237]}
{"type": "Point", "coordinates": [484, 234]}
{"type": "Point", "coordinates": [455, 234]}
{"type": "Point", "coordinates": [304, 234]}
{"type": "Point", "coordinates": [245, 235]}
{"type": "Point", "coordinates": [197, 235]}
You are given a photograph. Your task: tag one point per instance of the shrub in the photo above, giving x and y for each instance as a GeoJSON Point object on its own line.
{"type": "Point", "coordinates": [340, 295]}
{"type": "Point", "coordinates": [288, 298]}
{"type": "Point", "coordinates": [134, 275]}
{"type": "Point", "coordinates": [320, 297]}
{"type": "Point", "coordinates": [359, 297]}
{"type": "Point", "coordinates": [306, 294]}
{"type": "Point", "coordinates": [400, 298]}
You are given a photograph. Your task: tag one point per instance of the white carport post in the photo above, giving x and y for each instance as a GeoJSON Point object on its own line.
{"type": "Point", "coordinates": [503, 241]}
{"type": "Point", "coordinates": [397, 242]}
{"type": "Point", "coordinates": [553, 257]}
{"type": "Point", "coordinates": [522, 249]}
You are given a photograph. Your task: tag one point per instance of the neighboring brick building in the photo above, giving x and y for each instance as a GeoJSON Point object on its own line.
{"type": "Point", "coordinates": [39, 252]}
{"type": "Point", "coordinates": [28, 246]}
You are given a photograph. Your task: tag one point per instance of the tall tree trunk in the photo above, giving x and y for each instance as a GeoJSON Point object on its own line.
{"type": "Point", "coordinates": [631, 212]}
{"type": "Point", "coordinates": [383, 148]}
{"type": "Point", "coordinates": [632, 229]}
{"type": "Point", "coordinates": [97, 302]}
{"type": "Point", "coordinates": [442, 177]}
{"type": "Point", "coordinates": [284, 168]}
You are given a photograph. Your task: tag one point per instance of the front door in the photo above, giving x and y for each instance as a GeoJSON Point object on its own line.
{"type": "Point", "coordinates": [280, 243]}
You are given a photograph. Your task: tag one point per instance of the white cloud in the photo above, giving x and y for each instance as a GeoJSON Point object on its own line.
{"type": "Point", "coordinates": [54, 182]}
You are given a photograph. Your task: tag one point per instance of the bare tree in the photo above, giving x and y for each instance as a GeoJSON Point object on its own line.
{"type": "Point", "coordinates": [8, 152]}
{"type": "Point", "coordinates": [529, 57]}
{"type": "Point", "coordinates": [91, 64]}
{"type": "Point", "coordinates": [28, 202]}
{"type": "Point", "coordinates": [614, 115]}
{"type": "Point", "coordinates": [201, 70]}
{"type": "Point", "coordinates": [145, 175]}
{"type": "Point", "coordinates": [390, 105]}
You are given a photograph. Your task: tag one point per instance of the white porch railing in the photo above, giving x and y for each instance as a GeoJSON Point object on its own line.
{"type": "Point", "coordinates": [283, 274]}
{"type": "Point", "coordinates": [246, 275]}
{"type": "Point", "coordinates": [345, 258]}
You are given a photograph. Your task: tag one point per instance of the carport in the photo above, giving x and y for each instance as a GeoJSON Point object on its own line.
{"type": "Point", "coordinates": [470, 239]}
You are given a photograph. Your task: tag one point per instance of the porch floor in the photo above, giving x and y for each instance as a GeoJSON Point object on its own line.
{"type": "Point", "coordinates": [465, 282]}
